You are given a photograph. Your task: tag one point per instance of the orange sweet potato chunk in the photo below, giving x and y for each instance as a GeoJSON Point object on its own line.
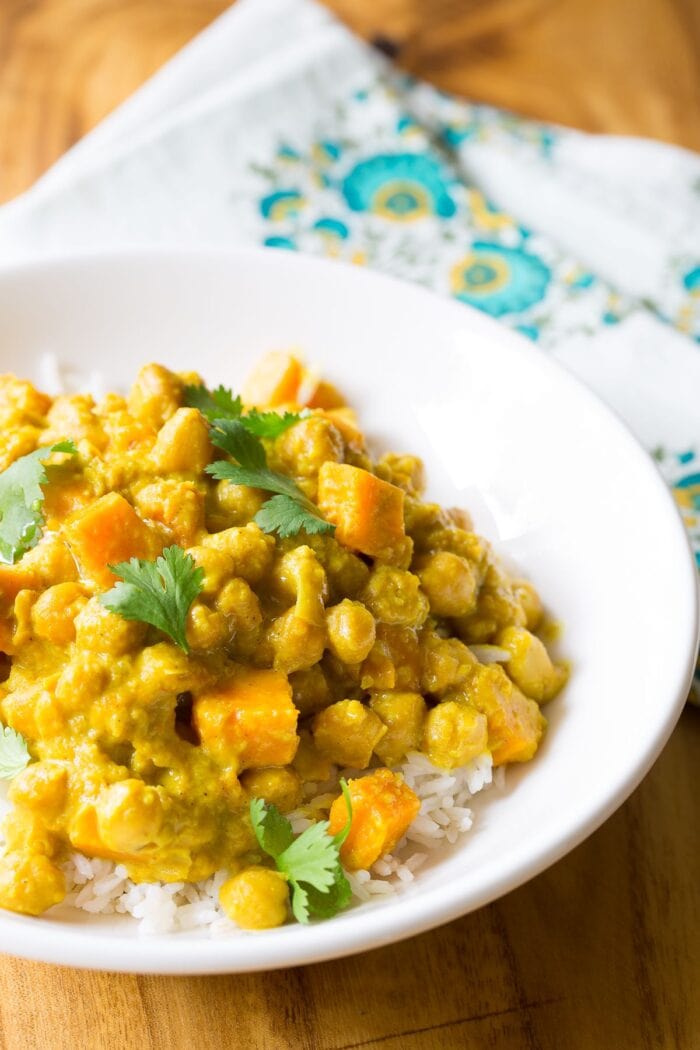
{"type": "Point", "coordinates": [250, 720]}
{"type": "Point", "coordinates": [107, 532]}
{"type": "Point", "coordinates": [515, 723]}
{"type": "Point", "coordinates": [366, 511]}
{"type": "Point", "coordinates": [274, 380]}
{"type": "Point", "coordinates": [382, 809]}
{"type": "Point", "coordinates": [13, 579]}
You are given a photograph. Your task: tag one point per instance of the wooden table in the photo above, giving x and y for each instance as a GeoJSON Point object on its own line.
{"type": "Point", "coordinates": [603, 950]}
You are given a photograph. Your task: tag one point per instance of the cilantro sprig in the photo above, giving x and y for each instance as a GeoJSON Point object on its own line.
{"type": "Point", "coordinates": [159, 593]}
{"type": "Point", "coordinates": [220, 404]}
{"type": "Point", "coordinates": [21, 498]}
{"type": "Point", "coordinates": [14, 753]}
{"type": "Point", "coordinates": [289, 511]}
{"type": "Point", "coordinates": [310, 862]}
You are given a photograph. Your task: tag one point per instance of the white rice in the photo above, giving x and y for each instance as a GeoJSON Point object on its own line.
{"type": "Point", "coordinates": [101, 887]}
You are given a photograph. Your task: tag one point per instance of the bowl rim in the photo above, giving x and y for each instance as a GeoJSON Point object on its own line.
{"type": "Point", "coordinates": [69, 943]}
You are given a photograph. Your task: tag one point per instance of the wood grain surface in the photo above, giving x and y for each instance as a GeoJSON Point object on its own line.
{"type": "Point", "coordinates": [603, 950]}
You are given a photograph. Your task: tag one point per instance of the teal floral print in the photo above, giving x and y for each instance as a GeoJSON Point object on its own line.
{"type": "Point", "coordinates": [401, 187]}
{"type": "Point", "coordinates": [499, 280]}
{"type": "Point", "coordinates": [281, 203]}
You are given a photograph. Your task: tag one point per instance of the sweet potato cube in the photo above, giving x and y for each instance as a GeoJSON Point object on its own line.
{"type": "Point", "coordinates": [13, 579]}
{"type": "Point", "coordinates": [274, 380]}
{"type": "Point", "coordinates": [382, 809]}
{"type": "Point", "coordinates": [107, 532]}
{"type": "Point", "coordinates": [515, 724]}
{"type": "Point", "coordinates": [325, 395]}
{"type": "Point", "coordinates": [249, 720]}
{"type": "Point", "coordinates": [366, 511]}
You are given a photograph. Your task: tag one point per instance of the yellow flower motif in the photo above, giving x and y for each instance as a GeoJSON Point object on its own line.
{"type": "Point", "coordinates": [475, 276]}
{"type": "Point", "coordinates": [485, 217]}
{"type": "Point", "coordinates": [401, 201]}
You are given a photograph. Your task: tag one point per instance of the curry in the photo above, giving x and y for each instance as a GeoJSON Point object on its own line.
{"type": "Point", "coordinates": [334, 618]}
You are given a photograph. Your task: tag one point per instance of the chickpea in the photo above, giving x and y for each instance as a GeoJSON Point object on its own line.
{"type": "Point", "coordinates": [449, 582]}
{"type": "Point", "coordinates": [129, 815]}
{"type": "Point", "coordinates": [17, 441]}
{"type": "Point", "coordinates": [309, 763]}
{"type": "Point", "coordinates": [82, 678]}
{"type": "Point", "coordinates": [73, 415]}
{"type": "Point", "coordinates": [51, 560]}
{"type": "Point", "coordinates": [403, 470]}
{"type": "Point", "coordinates": [251, 550]}
{"type": "Point", "coordinates": [530, 665]}
{"type": "Point", "coordinates": [303, 448]}
{"type": "Point", "coordinates": [217, 566]}
{"type": "Point", "coordinates": [30, 883]}
{"type": "Point", "coordinates": [296, 644]}
{"type": "Point", "coordinates": [233, 504]}
{"type": "Point", "coordinates": [179, 505]}
{"type": "Point", "coordinates": [206, 628]}
{"type": "Point", "coordinates": [256, 899]}
{"type": "Point", "coordinates": [55, 610]}
{"type": "Point", "coordinates": [347, 733]}
{"type": "Point", "coordinates": [24, 828]}
{"type": "Point", "coordinates": [98, 629]}
{"type": "Point", "coordinates": [155, 395]}
{"type": "Point", "coordinates": [496, 607]}
{"type": "Point", "coordinates": [454, 733]}
{"type": "Point", "coordinates": [241, 607]}
{"type": "Point", "coordinates": [182, 444]}
{"type": "Point", "coordinates": [351, 631]}
{"type": "Point", "coordinates": [278, 785]}
{"type": "Point", "coordinates": [347, 574]}
{"type": "Point", "coordinates": [163, 668]}
{"type": "Point", "coordinates": [403, 715]}
{"type": "Point", "coordinates": [23, 397]}
{"type": "Point", "coordinates": [445, 663]}
{"type": "Point", "coordinates": [298, 574]}
{"type": "Point", "coordinates": [310, 690]}
{"type": "Point", "coordinates": [42, 786]}
{"type": "Point", "coordinates": [394, 596]}
{"type": "Point", "coordinates": [530, 601]}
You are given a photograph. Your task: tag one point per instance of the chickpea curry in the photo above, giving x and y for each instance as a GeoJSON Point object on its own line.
{"type": "Point", "coordinates": [209, 604]}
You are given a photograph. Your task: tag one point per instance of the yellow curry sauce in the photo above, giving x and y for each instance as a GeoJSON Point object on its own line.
{"type": "Point", "coordinates": [305, 653]}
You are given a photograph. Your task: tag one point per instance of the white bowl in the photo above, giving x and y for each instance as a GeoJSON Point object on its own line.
{"type": "Point", "coordinates": [548, 473]}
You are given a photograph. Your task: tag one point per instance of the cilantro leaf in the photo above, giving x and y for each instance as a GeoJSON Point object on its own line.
{"type": "Point", "coordinates": [221, 404]}
{"type": "Point", "coordinates": [159, 593]}
{"type": "Point", "coordinates": [272, 830]}
{"type": "Point", "coordinates": [264, 478]}
{"type": "Point", "coordinates": [232, 436]}
{"type": "Point", "coordinates": [327, 904]}
{"type": "Point", "coordinates": [14, 753]}
{"type": "Point", "coordinates": [311, 861]}
{"type": "Point", "coordinates": [300, 904]}
{"type": "Point", "coordinates": [312, 857]}
{"type": "Point", "coordinates": [21, 497]}
{"type": "Point", "coordinates": [289, 511]}
{"type": "Point", "coordinates": [288, 516]}
{"type": "Point", "coordinates": [213, 404]}
{"type": "Point", "coordinates": [271, 424]}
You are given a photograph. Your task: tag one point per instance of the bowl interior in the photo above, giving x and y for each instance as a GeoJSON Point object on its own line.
{"type": "Point", "coordinates": [547, 472]}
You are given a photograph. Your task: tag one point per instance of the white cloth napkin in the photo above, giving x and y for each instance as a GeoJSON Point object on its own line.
{"type": "Point", "coordinates": [276, 126]}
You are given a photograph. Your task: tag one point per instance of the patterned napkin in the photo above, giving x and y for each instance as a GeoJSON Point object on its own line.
{"type": "Point", "coordinates": [277, 127]}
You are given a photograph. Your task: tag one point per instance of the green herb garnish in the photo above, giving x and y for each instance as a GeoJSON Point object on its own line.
{"type": "Point", "coordinates": [213, 404]}
{"type": "Point", "coordinates": [159, 593]}
{"type": "Point", "coordinates": [219, 404]}
{"type": "Point", "coordinates": [311, 861]}
{"type": "Point", "coordinates": [289, 511]}
{"type": "Point", "coordinates": [21, 498]}
{"type": "Point", "coordinates": [14, 753]}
